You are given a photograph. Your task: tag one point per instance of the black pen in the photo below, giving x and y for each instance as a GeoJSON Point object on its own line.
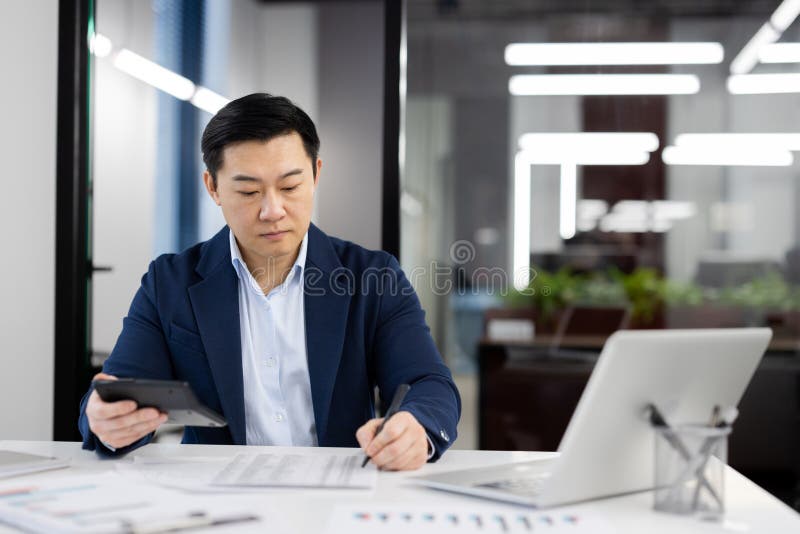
{"type": "Point", "coordinates": [394, 407]}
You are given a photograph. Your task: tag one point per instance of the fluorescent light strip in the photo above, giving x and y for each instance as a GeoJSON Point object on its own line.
{"type": "Point", "coordinates": [603, 84]}
{"type": "Point", "coordinates": [100, 45]}
{"type": "Point", "coordinates": [616, 223]}
{"type": "Point", "coordinates": [617, 141]}
{"type": "Point", "coordinates": [613, 53]}
{"type": "Point", "coordinates": [522, 221]}
{"type": "Point", "coordinates": [718, 142]}
{"type": "Point", "coordinates": [673, 209]}
{"type": "Point", "coordinates": [154, 74]}
{"type": "Point", "coordinates": [568, 200]}
{"type": "Point", "coordinates": [586, 156]}
{"type": "Point", "coordinates": [748, 57]}
{"type": "Point", "coordinates": [592, 208]}
{"type": "Point", "coordinates": [769, 32]}
{"type": "Point", "coordinates": [783, 17]}
{"type": "Point", "coordinates": [674, 155]}
{"type": "Point", "coordinates": [208, 100]}
{"type": "Point", "coordinates": [780, 53]}
{"type": "Point", "coordinates": [763, 84]}
{"type": "Point", "coordinates": [158, 76]}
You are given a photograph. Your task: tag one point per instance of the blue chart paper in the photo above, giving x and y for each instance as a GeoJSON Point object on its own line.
{"type": "Point", "coordinates": [421, 520]}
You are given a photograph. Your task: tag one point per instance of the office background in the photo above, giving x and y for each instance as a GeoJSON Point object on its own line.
{"type": "Point", "coordinates": [653, 242]}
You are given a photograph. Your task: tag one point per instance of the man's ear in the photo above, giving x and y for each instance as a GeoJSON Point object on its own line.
{"type": "Point", "coordinates": [319, 171]}
{"type": "Point", "coordinates": [211, 187]}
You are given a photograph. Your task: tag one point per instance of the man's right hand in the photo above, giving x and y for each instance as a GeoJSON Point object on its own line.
{"type": "Point", "coordinates": [120, 423]}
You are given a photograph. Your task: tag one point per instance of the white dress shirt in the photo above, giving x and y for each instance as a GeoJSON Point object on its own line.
{"type": "Point", "coordinates": [277, 390]}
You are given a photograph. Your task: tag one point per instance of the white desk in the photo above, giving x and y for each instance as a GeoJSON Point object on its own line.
{"type": "Point", "coordinates": [750, 509]}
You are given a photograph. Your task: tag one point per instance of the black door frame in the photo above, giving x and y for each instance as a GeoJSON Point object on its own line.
{"type": "Point", "coordinates": [72, 365]}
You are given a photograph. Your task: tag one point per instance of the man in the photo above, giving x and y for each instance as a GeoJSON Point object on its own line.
{"type": "Point", "coordinates": [282, 329]}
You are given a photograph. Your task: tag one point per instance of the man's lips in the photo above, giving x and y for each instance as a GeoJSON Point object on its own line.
{"type": "Point", "coordinates": [274, 235]}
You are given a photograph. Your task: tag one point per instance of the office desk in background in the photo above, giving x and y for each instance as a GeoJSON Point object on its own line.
{"type": "Point", "coordinates": [750, 509]}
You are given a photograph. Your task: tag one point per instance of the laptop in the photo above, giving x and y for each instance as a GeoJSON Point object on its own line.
{"type": "Point", "coordinates": [607, 449]}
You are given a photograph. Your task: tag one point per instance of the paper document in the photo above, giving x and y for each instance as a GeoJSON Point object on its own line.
{"type": "Point", "coordinates": [109, 503]}
{"type": "Point", "coordinates": [298, 471]}
{"type": "Point", "coordinates": [375, 519]}
{"type": "Point", "coordinates": [13, 463]}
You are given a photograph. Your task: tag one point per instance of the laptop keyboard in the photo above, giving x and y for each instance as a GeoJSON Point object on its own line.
{"type": "Point", "coordinates": [528, 486]}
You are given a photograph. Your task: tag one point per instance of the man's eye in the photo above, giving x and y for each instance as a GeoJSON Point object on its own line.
{"type": "Point", "coordinates": [290, 188]}
{"type": "Point", "coordinates": [247, 193]}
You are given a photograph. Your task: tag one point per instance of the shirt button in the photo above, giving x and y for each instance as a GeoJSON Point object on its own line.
{"type": "Point", "coordinates": [278, 417]}
{"type": "Point", "coordinates": [270, 362]}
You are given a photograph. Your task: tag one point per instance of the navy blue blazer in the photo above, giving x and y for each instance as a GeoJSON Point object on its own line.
{"type": "Point", "coordinates": [364, 328]}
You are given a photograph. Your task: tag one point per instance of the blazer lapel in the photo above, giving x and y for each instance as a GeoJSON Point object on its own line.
{"type": "Point", "coordinates": [327, 301]}
{"type": "Point", "coordinates": [215, 301]}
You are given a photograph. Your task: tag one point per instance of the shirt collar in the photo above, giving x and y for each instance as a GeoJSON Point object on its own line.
{"type": "Point", "coordinates": [241, 267]}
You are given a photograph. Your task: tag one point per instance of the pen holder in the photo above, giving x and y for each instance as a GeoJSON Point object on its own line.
{"type": "Point", "coordinates": [690, 469]}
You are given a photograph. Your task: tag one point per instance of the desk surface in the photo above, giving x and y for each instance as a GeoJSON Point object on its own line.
{"type": "Point", "coordinates": [750, 509]}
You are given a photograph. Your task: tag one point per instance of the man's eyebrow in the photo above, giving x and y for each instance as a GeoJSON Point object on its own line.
{"type": "Point", "coordinates": [293, 172]}
{"type": "Point", "coordinates": [244, 178]}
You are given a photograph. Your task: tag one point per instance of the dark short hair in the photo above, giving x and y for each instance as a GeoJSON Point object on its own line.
{"type": "Point", "coordinates": [256, 117]}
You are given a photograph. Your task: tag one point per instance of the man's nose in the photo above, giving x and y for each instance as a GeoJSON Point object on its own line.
{"type": "Point", "coordinates": [271, 208]}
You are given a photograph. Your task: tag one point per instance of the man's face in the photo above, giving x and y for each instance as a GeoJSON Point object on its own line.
{"type": "Point", "coordinates": [266, 191]}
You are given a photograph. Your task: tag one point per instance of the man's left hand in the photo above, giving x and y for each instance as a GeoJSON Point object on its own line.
{"type": "Point", "coordinates": [401, 445]}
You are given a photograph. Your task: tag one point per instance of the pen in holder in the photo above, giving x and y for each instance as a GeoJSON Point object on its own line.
{"type": "Point", "coordinates": [690, 466]}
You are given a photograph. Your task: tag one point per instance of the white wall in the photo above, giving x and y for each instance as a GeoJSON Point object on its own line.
{"type": "Point", "coordinates": [328, 59]}
{"type": "Point", "coordinates": [351, 120]}
{"type": "Point", "coordinates": [28, 58]}
{"type": "Point", "coordinates": [124, 163]}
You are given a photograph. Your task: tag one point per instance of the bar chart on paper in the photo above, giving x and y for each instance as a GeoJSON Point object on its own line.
{"type": "Point", "coordinates": [423, 520]}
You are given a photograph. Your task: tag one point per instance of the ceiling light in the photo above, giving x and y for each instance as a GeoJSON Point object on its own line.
{"type": "Point", "coordinates": [592, 208]}
{"type": "Point", "coordinates": [622, 224]}
{"type": "Point", "coordinates": [780, 53]}
{"type": "Point", "coordinates": [587, 156]}
{"type": "Point", "coordinates": [783, 17]}
{"type": "Point", "coordinates": [613, 53]}
{"type": "Point", "coordinates": [682, 155]}
{"type": "Point", "coordinates": [761, 84]}
{"type": "Point", "coordinates": [769, 32]}
{"type": "Point", "coordinates": [154, 74]}
{"type": "Point", "coordinates": [522, 221]}
{"type": "Point", "coordinates": [740, 141]}
{"type": "Point", "coordinates": [673, 209]}
{"type": "Point", "coordinates": [100, 45]}
{"type": "Point", "coordinates": [208, 100]}
{"type": "Point", "coordinates": [603, 84]}
{"type": "Point", "coordinates": [748, 57]}
{"type": "Point", "coordinates": [410, 205]}
{"type": "Point", "coordinates": [582, 141]}
{"type": "Point", "coordinates": [568, 200]}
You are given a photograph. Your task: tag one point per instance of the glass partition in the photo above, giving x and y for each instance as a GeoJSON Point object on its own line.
{"type": "Point", "coordinates": [568, 160]}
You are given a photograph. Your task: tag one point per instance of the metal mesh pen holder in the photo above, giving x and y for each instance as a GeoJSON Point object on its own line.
{"type": "Point", "coordinates": [690, 469]}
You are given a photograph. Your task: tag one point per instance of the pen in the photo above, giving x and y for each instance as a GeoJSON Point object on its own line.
{"type": "Point", "coordinates": [397, 400]}
{"type": "Point", "coordinates": [190, 522]}
{"type": "Point", "coordinates": [657, 420]}
{"type": "Point", "coordinates": [719, 419]}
